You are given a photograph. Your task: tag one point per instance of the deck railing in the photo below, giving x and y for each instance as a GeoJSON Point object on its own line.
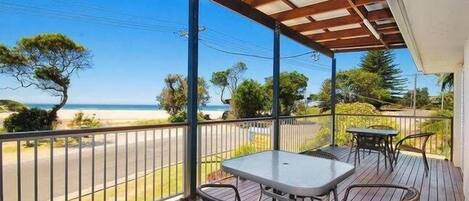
{"type": "Point", "coordinates": [147, 162]}
{"type": "Point", "coordinates": [438, 144]}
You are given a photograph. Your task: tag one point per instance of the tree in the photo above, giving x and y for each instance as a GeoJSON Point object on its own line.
{"type": "Point", "coordinates": [422, 96]}
{"type": "Point", "coordinates": [173, 97]}
{"type": "Point", "coordinates": [355, 85]}
{"type": "Point", "coordinates": [381, 62]}
{"type": "Point", "coordinates": [228, 78]}
{"type": "Point", "coordinates": [47, 62]}
{"type": "Point", "coordinates": [249, 100]}
{"type": "Point", "coordinates": [292, 88]}
{"type": "Point", "coordinates": [447, 81]}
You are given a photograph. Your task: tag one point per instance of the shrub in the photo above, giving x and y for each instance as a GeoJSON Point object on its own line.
{"type": "Point", "coordinates": [181, 116]}
{"type": "Point", "coordinates": [80, 120]}
{"type": "Point", "coordinates": [249, 100]}
{"type": "Point", "coordinates": [28, 120]}
{"type": "Point", "coordinates": [11, 106]}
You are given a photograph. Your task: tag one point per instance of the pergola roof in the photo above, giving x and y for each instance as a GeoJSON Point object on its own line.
{"type": "Point", "coordinates": [327, 26]}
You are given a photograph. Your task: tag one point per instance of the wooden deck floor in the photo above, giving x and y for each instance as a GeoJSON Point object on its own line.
{"type": "Point", "coordinates": [444, 181]}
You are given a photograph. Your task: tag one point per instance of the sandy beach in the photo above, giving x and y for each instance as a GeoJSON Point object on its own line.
{"type": "Point", "coordinates": [118, 117]}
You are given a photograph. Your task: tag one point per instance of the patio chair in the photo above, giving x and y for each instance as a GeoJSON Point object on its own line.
{"type": "Point", "coordinates": [402, 145]}
{"type": "Point", "coordinates": [207, 197]}
{"type": "Point", "coordinates": [322, 154]}
{"type": "Point", "coordinates": [368, 143]}
{"type": "Point", "coordinates": [411, 194]}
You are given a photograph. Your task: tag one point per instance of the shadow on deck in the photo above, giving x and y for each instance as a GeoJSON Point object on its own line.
{"type": "Point", "coordinates": [444, 181]}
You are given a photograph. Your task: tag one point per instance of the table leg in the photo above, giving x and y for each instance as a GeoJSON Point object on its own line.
{"type": "Point", "coordinates": [386, 144]}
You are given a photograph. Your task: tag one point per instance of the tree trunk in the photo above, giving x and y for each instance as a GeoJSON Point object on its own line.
{"type": "Point", "coordinates": [56, 108]}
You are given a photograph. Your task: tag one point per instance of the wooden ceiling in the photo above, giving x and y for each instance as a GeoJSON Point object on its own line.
{"type": "Point", "coordinates": [326, 25]}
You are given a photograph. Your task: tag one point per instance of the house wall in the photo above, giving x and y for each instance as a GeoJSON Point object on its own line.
{"type": "Point", "coordinates": [458, 118]}
{"type": "Point", "coordinates": [465, 125]}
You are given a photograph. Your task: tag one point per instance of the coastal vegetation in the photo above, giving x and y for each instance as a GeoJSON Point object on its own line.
{"type": "Point", "coordinates": [46, 62]}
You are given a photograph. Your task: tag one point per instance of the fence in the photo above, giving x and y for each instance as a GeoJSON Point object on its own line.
{"type": "Point", "coordinates": [147, 162]}
{"type": "Point", "coordinates": [438, 144]}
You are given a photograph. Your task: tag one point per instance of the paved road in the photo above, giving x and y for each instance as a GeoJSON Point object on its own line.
{"type": "Point", "coordinates": [166, 148]}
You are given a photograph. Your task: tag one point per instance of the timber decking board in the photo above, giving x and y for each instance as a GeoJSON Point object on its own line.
{"type": "Point", "coordinates": [444, 181]}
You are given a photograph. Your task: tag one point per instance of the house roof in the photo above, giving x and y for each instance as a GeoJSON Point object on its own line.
{"type": "Point", "coordinates": [327, 26]}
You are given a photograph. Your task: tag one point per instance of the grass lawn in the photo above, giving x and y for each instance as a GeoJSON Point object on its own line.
{"type": "Point", "coordinates": [165, 184]}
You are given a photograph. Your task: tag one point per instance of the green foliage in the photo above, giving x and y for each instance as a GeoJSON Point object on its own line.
{"type": "Point", "coordinates": [80, 120]}
{"type": "Point", "coordinates": [249, 100]}
{"type": "Point", "coordinates": [447, 81]}
{"type": "Point", "coordinates": [244, 150]}
{"type": "Point", "coordinates": [355, 85]}
{"type": "Point", "coordinates": [321, 139]}
{"type": "Point", "coordinates": [173, 97]}
{"type": "Point", "coordinates": [381, 63]}
{"type": "Point", "coordinates": [181, 116]}
{"type": "Point", "coordinates": [11, 106]}
{"type": "Point", "coordinates": [228, 78]}
{"type": "Point", "coordinates": [302, 109]}
{"type": "Point", "coordinates": [292, 88]}
{"type": "Point", "coordinates": [344, 122]}
{"type": "Point", "coordinates": [47, 62]}
{"type": "Point", "coordinates": [355, 108]}
{"type": "Point", "coordinates": [28, 120]}
{"type": "Point", "coordinates": [422, 96]}
{"type": "Point", "coordinates": [442, 128]}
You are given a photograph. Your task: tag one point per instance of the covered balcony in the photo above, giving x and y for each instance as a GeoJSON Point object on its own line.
{"type": "Point", "coordinates": [169, 161]}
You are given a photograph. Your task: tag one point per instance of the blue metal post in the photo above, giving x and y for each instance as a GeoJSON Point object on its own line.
{"type": "Point", "coordinates": [192, 79]}
{"type": "Point", "coordinates": [276, 87]}
{"type": "Point", "coordinates": [333, 99]}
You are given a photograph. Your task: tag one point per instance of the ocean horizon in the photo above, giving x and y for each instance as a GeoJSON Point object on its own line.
{"type": "Point", "coordinates": [48, 106]}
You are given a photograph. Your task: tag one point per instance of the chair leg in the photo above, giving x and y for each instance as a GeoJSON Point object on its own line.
{"type": "Point", "coordinates": [334, 192]}
{"type": "Point", "coordinates": [350, 152]}
{"type": "Point", "coordinates": [427, 168]}
{"type": "Point", "coordinates": [260, 194]}
{"type": "Point", "coordinates": [397, 156]}
{"type": "Point", "coordinates": [377, 166]}
{"type": "Point", "coordinates": [385, 160]}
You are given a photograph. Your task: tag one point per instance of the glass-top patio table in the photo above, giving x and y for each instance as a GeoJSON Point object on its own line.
{"type": "Point", "coordinates": [291, 173]}
{"type": "Point", "coordinates": [386, 134]}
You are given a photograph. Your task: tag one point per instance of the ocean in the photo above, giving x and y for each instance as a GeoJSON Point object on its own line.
{"type": "Point", "coordinates": [119, 107]}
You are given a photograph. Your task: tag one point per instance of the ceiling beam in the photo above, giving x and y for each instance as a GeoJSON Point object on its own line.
{"type": "Point", "coordinates": [368, 48]}
{"type": "Point", "coordinates": [255, 3]}
{"type": "Point", "coordinates": [259, 17]}
{"type": "Point", "coordinates": [353, 19]}
{"type": "Point", "coordinates": [349, 33]}
{"type": "Point", "coordinates": [362, 12]}
{"type": "Point", "coordinates": [322, 7]}
{"type": "Point", "coordinates": [365, 41]}
{"type": "Point", "coordinates": [339, 34]}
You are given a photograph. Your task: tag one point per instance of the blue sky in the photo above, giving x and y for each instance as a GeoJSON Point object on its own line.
{"type": "Point", "coordinates": [135, 44]}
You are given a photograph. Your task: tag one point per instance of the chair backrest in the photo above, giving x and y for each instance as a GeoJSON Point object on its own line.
{"type": "Point", "coordinates": [321, 154]}
{"type": "Point", "coordinates": [424, 136]}
{"type": "Point", "coordinates": [411, 194]}
{"type": "Point", "coordinates": [367, 142]}
{"type": "Point", "coordinates": [382, 127]}
{"type": "Point", "coordinates": [207, 197]}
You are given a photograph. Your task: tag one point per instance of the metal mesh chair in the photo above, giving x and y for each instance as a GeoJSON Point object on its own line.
{"type": "Point", "coordinates": [411, 194]}
{"type": "Point", "coordinates": [402, 145]}
{"type": "Point", "coordinates": [322, 154]}
{"type": "Point", "coordinates": [207, 197]}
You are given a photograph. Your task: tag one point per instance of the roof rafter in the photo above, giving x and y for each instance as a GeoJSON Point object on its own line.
{"type": "Point", "coordinates": [363, 41]}
{"type": "Point", "coordinates": [264, 19]}
{"type": "Point", "coordinates": [255, 3]}
{"type": "Point", "coordinates": [339, 21]}
{"type": "Point", "coordinates": [322, 7]}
